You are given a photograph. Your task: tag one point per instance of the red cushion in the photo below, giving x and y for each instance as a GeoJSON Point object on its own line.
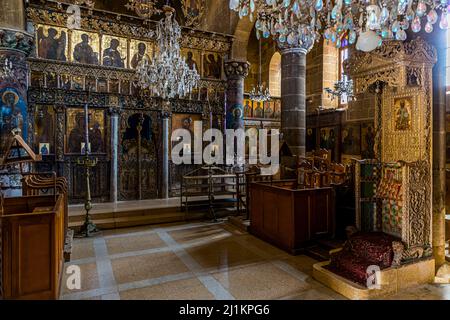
{"type": "Point", "coordinates": [350, 267]}
{"type": "Point", "coordinates": [361, 251]}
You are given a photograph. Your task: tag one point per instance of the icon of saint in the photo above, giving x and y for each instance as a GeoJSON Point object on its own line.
{"type": "Point", "coordinates": [403, 119]}
{"type": "Point", "coordinates": [190, 61]}
{"type": "Point", "coordinates": [111, 55]}
{"type": "Point", "coordinates": [140, 55]}
{"type": "Point", "coordinates": [83, 52]}
{"type": "Point", "coordinates": [51, 47]}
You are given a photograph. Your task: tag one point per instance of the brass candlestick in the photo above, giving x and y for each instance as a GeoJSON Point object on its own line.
{"type": "Point", "coordinates": [88, 163]}
{"type": "Point", "coordinates": [88, 227]}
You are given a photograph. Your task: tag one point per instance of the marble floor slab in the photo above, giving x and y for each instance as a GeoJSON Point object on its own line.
{"type": "Point", "coordinates": [198, 261]}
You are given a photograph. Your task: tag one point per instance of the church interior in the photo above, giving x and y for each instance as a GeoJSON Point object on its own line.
{"type": "Point", "coordinates": [104, 198]}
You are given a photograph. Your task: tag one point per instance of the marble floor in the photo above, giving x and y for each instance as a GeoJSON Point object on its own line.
{"type": "Point", "coordinates": [198, 261]}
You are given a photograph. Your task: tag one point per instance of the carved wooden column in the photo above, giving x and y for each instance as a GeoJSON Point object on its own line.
{"type": "Point", "coordinates": [114, 113]}
{"type": "Point", "coordinates": [236, 72]}
{"type": "Point", "coordinates": [293, 98]}
{"type": "Point", "coordinates": [60, 111]}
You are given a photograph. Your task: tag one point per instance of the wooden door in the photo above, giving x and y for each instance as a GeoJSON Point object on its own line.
{"type": "Point", "coordinates": [138, 160]}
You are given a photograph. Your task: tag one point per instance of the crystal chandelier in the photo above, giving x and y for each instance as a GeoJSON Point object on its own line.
{"type": "Point", "coordinates": [6, 72]}
{"type": "Point", "coordinates": [340, 89]}
{"type": "Point", "coordinates": [167, 75]}
{"type": "Point", "coordinates": [259, 93]}
{"type": "Point", "coordinates": [364, 22]}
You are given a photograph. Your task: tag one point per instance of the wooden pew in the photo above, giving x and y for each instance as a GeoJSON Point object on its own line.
{"type": "Point", "coordinates": [32, 233]}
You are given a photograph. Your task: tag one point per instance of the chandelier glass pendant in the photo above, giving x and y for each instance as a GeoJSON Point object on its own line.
{"type": "Point", "coordinates": [167, 75]}
{"type": "Point", "coordinates": [260, 93]}
{"type": "Point", "coordinates": [340, 89]}
{"type": "Point", "coordinates": [364, 22]}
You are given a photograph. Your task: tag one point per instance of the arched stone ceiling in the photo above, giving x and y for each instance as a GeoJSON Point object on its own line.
{"type": "Point", "coordinates": [242, 34]}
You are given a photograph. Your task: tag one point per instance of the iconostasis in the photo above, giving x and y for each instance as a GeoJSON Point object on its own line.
{"type": "Point", "coordinates": [96, 64]}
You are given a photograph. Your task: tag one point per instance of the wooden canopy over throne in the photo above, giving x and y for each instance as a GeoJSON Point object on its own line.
{"type": "Point", "coordinates": [400, 75]}
{"type": "Point", "coordinates": [394, 191]}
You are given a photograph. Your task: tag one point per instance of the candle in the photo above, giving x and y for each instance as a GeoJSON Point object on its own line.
{"type": "Point", "coordinates": [86, 120]}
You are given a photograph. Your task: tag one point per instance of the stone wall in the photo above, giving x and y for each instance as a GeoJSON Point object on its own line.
{"type": "Point", "coordinates": [322, 71]}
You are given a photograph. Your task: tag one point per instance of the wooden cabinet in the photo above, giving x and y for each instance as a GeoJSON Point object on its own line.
{"type": "Point", "coordinates": [32, 240]}
{"type": "Point", "coordinates": [288, 218]}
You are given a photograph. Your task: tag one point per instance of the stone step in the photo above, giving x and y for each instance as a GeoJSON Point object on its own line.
{"type": "Point", "coordinates": [139, 213]}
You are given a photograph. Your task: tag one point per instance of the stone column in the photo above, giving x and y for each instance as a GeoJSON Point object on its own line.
{"type": "Point", "coordinates": [15, 46]}
{"type": "Point", "coordinates": [439, 146]}
{"type": "Point", "coordinates": [12, 15]}
{"type": "Point", "coordinates": [114, 187]}
{"type": "Point", "coordinates": [236, 72]}
{"type": "Point", "coordinates": [293, 99]}
{"type": "Point", "coordinates": [165, 116]}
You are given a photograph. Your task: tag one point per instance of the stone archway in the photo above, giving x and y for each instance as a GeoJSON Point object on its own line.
{"type": "Point", "coordinates": [242, 36]}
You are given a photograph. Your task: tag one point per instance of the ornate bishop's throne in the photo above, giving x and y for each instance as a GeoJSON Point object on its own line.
{"type": "Point", "coordinates": [393, 227]}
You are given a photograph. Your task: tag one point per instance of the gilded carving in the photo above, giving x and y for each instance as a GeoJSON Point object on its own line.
{"type": "Point", "coordinates": [401, 72]}
{"type": "Point", "coordinates": [400, 129]}
{"type": "Point", "coordinates": [143, 8]}
{"type": "Point", "coordinates": [193, 11]}
{"type": "Point", "coordinates": [417, 224]}
{"type": "Point", "coordinates": [389, 63]}
{"type": "Point", "coordinates": [131, 30]}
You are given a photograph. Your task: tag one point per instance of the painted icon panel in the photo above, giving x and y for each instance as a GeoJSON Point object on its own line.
{"type": "Point", "coordinates": [85, 47]}
{"type": "Point", "coordinates": [140, 50]}
{"type": "Point", "coordinates": [52, 43]}
{"type": "Point", "coordinates": [115, 52]}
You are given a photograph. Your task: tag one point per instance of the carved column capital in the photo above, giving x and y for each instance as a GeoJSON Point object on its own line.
{"type": "Point", "coordinates": [303, 48]}
{"type": "Point", "coordinates": [166, 110]}
{"type": "Point", "coordinates": [59, 108]}
{"type": "Point", "coordinates": [115, 110]}
{"type": "Point", "coordinates": [236, 69]}
{"type": "Point", "coordinates": [20, 41]}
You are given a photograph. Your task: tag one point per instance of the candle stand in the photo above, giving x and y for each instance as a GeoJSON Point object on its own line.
{"type": "Point", "coordinates": [88, 227]}
{"type": "Point", "coordinates": [88, 162]}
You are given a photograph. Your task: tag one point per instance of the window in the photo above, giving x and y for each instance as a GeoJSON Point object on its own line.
{"type": "Point", "coordinates": [448, 63]}
{"type": "Point", "coordinates": [344, 52]}
{"type": "Point", "coordinates": [275, 75]}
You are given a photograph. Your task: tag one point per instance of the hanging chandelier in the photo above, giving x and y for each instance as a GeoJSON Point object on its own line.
{"type": "Point", "coordinates": [259, 93]}
{"type": "Point", "coordinates": [167, 75]}
{"type": "Point", "coordinates": [366, 23]}
{"type": "Point", "coordinates": [6, 72]}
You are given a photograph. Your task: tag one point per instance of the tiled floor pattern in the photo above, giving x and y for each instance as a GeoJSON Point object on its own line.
{"type": "Point", "coordinates": [198, 261]}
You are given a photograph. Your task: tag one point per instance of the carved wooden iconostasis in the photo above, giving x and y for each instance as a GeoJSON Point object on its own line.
{"type": "Point", "coordinates": [398, 76]}
{"type": "Point", "coordinates": [261, 115]}
{"type": "Point", "coordinates": [95, 65]}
